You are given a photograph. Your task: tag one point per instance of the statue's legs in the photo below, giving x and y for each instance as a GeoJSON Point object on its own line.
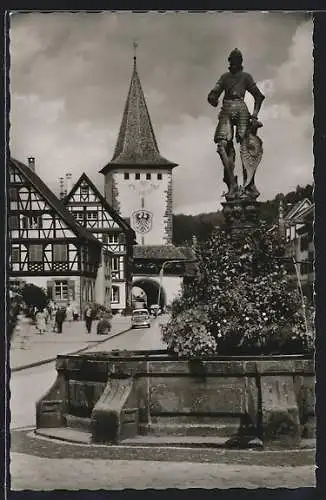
{"type": "Point", "coordinates": [224, 139]}
{"type": "Point", "coordinates": [226, 152]}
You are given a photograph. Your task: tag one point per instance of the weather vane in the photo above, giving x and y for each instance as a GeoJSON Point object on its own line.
{"type": "Point", "coordinates": [135, 45]}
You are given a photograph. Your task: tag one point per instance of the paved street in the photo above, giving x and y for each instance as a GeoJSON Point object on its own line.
{"type": "Point", "coordinates": [37, 473]}
{"type": "Point", "coordinates": [137, 338]}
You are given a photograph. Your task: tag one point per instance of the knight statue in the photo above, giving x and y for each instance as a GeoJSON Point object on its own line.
{"type": "Point", "coordinates": [235, 115]}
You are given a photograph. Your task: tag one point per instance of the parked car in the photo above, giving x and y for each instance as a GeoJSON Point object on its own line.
{"type": "Point", "coordinates": [155, 310]}
{"type": "Point", "coordinates": [141, 318]}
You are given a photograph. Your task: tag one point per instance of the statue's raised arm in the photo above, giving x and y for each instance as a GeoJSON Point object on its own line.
{"type": "Point", "coordinates": [234, 116]}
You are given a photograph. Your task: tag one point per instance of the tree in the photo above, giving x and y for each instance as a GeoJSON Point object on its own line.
{"type": "Point", "coordinates": [34, 296]}
{"type": "Point", "coordinates": [247, 303]}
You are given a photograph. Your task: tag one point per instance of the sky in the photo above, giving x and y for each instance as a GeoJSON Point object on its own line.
{"type": "Point", "coordinates": [70, 74]}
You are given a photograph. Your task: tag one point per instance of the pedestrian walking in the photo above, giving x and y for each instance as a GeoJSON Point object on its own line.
{"type": "Point", "coordinates": [89, 316]}
{"type": "Point", "coordinates": [40, 322]}
{"type": "Point", "coordinates": [59, 318]}
{"type": "Point", "coordinates": [46, 316]}
{"type": "Point", "coordinates": [51, 310]}
{"type": "Point", "coordinates": [69, 314]}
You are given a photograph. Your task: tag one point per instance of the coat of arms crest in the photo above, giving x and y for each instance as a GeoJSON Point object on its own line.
{"type": "Point", "coordinates": [142, 221]}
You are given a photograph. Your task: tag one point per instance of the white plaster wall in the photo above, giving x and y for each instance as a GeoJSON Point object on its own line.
{"type": "Point", "coordinates": [122, 295]}
{"type": "Point", "coordinates": [131, 191]}
{"type": "Point", "coordinates": [100, 285]}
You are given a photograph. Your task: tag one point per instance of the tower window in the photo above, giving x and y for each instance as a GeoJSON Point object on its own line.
{"type": "Point", "coordinates": [159, 177]}
{"type": "Point", "coordinates": [137, 176]}
{"type": "Point", "coordinates": [126, 175]}
{"type": "Point", "coordinates": [148, 176]}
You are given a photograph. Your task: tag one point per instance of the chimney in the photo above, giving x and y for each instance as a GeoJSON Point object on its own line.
{"type": "Point", "coordinates": [68, 183]}
{"type": "Point", "coordinates": [31, 163]}
{"type": "Point", "coordinates": [62, 188]}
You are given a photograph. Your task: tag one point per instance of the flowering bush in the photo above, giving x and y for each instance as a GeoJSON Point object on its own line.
{"type": "Point", "coordinates": [188, 335]}
{"type": "Point", "coordinates": [242, 298]}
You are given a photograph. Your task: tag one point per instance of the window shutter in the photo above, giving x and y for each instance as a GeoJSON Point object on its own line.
{"type": "Point", "coordinates": [13, 194]}
{"type": "Point", "coordinates": [49, 287]}
{"type": "Point", "coordinates": [13, 222]}
{"type": "Point", "coordinates": [15, 255]}
{"type": "Point", "coordinates": [60, 253]}
{"type": "Point", "coordinates": [71, 290]}
{"type": "Point", "coordinates": [35, 253]}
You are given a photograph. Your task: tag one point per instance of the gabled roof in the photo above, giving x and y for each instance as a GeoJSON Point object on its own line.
{"type": "Point", "coordinates": [297, 209]}
{"type": "Point", "coordinates": [115, 216]}
{"type": "Point", "coordinates": [136, 144]}
{"type": "Point", "coordinates": [53, 201]}
{"type": "Point", "coordinates": [306, 215]}
{"type": "Point", "coordinates": [163, 252]}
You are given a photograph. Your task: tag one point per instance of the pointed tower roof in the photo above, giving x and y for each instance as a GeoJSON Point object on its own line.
{"type": "Point", "coordinates": [136, 144]}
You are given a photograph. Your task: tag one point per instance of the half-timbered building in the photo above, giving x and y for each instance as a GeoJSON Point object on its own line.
{"type": "Point", "coordinates": [93, 212]}
{"type": "Point", "coordinates": [47, 246]}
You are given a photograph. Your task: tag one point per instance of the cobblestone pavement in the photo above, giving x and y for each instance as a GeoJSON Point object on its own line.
{"type": "Point", "coordinates": [29, 472]}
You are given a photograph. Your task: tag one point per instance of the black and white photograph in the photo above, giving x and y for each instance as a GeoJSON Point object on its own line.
{"type": "Point", "coordinates": [160, 240]}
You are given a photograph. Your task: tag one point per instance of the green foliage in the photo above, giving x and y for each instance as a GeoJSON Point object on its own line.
{"type": "Point", "coordinates": [100, 310]}
{"type": "Point", "coordinates": [248, 302]}
{"type": "Point", "coordinates": [34, 296]}
{"type": "Point", "coordinates": [201, 226]}
{"type": "Point", "coordinates": [190, 336]}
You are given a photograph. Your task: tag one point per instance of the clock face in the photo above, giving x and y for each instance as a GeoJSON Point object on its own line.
{"type": "Point", "coordinates": [142, 221]}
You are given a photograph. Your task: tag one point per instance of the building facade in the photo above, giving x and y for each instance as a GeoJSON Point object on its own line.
{"type": "Point", "coordinates": [90, 209]}
{"type": "Point", "coordinates": [298, 224]}
{"type": "Point", "coordinates": [47, 246]}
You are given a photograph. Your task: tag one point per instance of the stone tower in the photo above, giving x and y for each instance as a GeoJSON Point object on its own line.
{"type": "Point", "coordinates": [138, 180]}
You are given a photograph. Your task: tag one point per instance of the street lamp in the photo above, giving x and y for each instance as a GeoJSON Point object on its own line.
{"type": "Point", "coordinates": [162, 272]}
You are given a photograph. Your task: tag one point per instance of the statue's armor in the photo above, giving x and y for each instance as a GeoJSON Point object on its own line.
{"type": "Point", "coordinates": [234, 112]}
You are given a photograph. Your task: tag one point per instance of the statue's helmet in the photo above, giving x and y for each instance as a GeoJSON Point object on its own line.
{"type": "Point", "coordinates": [235, 57]}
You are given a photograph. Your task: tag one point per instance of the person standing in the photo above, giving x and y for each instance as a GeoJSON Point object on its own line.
{"type": "Point", "coordinates": [89, 318]}
{"type": "Point", "coordinates": [59, 318]}
{"type": "Point", "coordinates": [40, 322]}
{"type": "Point", "coordinates": [75, 313]}
{"type": "Point", "coordinates": [69, 314]}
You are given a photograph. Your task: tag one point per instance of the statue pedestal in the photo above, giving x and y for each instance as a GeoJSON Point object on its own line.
{"type": "Point", "coordinates": [240, 214]}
